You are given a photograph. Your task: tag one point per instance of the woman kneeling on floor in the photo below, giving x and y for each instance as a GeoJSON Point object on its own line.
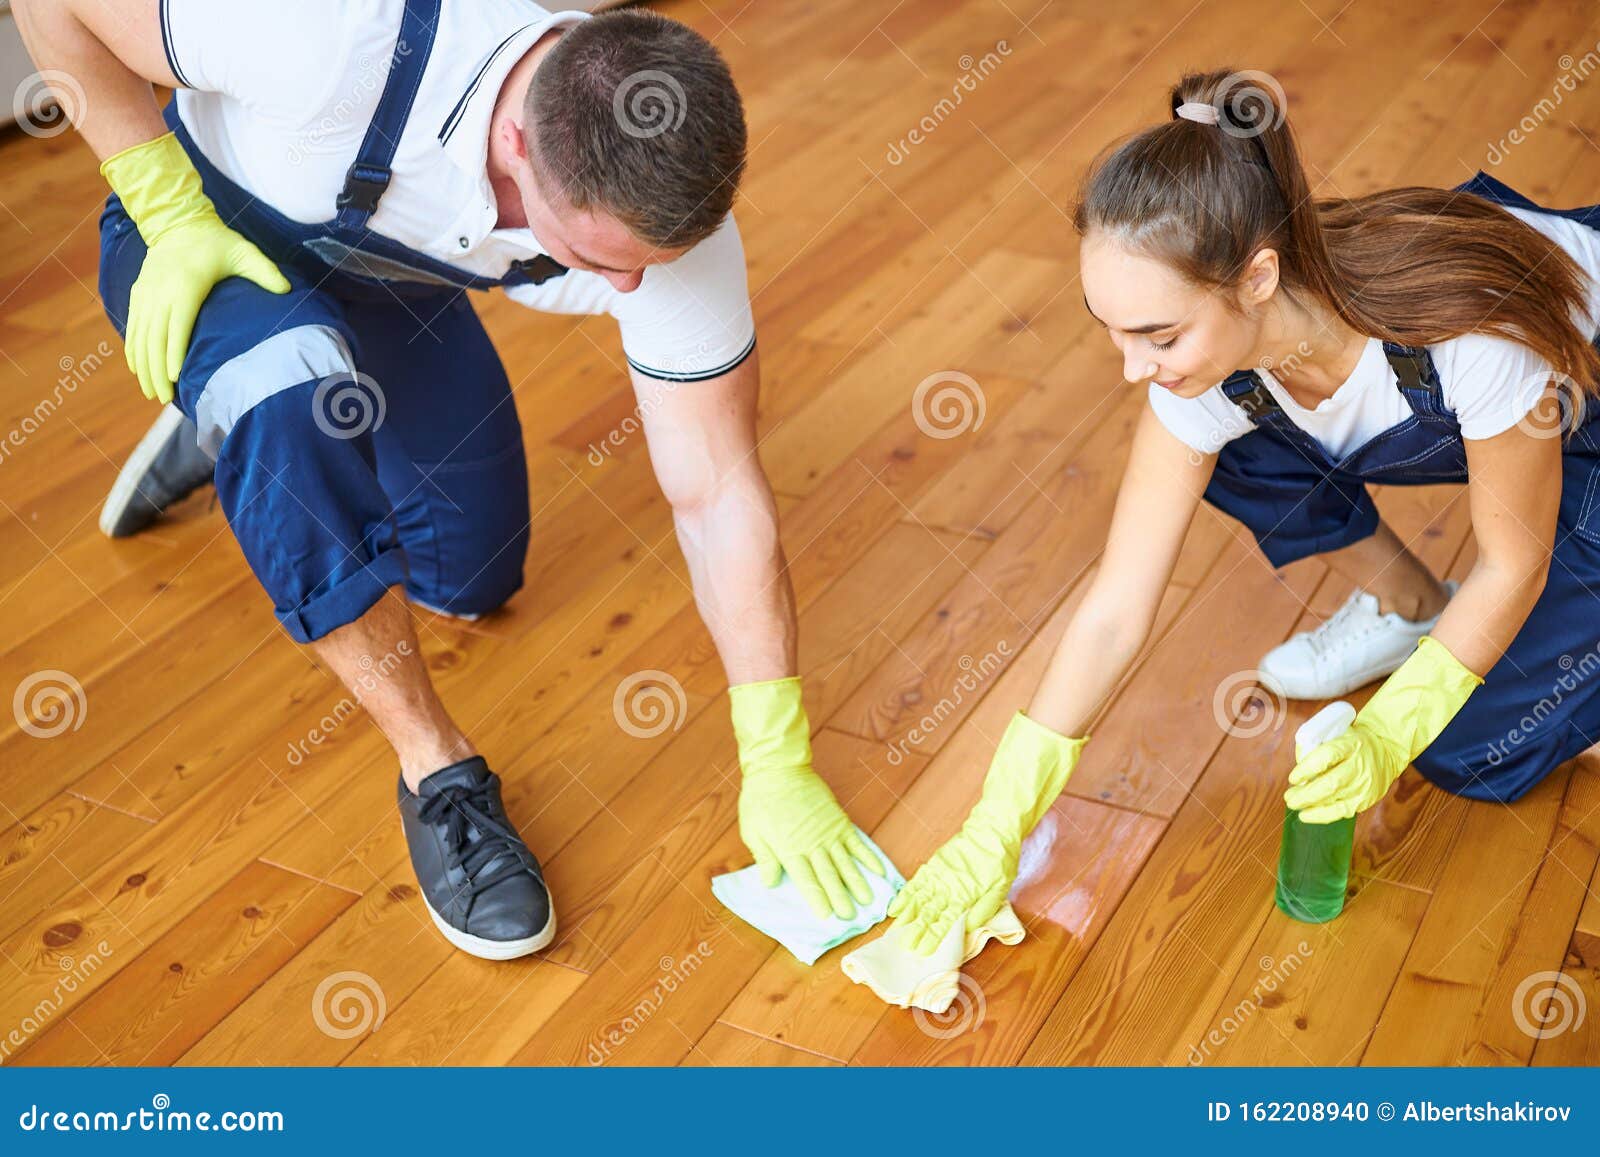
{"type": "Point", "coordinates": [1414, 336]}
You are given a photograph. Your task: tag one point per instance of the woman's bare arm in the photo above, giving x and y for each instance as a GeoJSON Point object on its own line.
{"type": "Point", "coordinates": [1514, 487]}
{"type": "Point", "coordinates": [1162, 486]}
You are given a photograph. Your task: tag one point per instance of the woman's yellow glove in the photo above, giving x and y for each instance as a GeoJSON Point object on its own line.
{"type": "Point", "coordinates": [1354, 771]}
{"type": "Point", "coordinates": [968, 878]}
{"type": "Point", "coordinates": [187, 251]}
{"type": "Point", "coordinates": [788, 818]}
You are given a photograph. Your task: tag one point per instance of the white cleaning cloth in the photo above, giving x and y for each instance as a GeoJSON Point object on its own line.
{"type": "Point", "coordinates": [907, 979]}
{"type": "Point", "coordinates": [783, 914]}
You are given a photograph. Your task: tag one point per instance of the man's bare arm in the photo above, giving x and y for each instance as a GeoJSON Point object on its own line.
{"type": "Point", "coordinates": [702, 439]}
{"type": "Point", "coordinates": [112, 52]}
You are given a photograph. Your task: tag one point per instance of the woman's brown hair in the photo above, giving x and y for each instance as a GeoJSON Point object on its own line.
{"type": "Point", "coordinates": [1412, 265]}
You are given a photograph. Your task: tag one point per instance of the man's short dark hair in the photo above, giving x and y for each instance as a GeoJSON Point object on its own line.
{"type": "Point", "coordinates": [638, 115]}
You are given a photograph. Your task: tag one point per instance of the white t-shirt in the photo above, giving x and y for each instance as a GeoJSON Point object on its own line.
{"type": "Point", "coordinates": [1489, 382]}
{"type": "Point", "coordinates": [278, 95]}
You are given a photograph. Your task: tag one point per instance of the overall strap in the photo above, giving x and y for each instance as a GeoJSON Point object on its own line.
{"type": "Point", "coordinates": [369, 173]}
{"type": "Point", "coordinates": [1497, 192]}
{"type": "Point", "coordinates": [1414, 371]}
{"type": "Point", "coordinates": [1412, 365]}
{"type": "Point", "coordinates": [1245, 389]}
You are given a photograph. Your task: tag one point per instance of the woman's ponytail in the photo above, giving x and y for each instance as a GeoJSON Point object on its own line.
{"type": "Point", "coordinates": [1207, 190]}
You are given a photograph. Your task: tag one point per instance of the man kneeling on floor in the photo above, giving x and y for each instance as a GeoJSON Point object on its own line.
{"type": "Point", "coordinates": [296, 234]}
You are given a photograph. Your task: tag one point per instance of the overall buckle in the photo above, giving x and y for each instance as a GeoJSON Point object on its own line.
{"type": "Point", "coordinates": [539, 269]}
{"type": "Point", "coordinates": [1412, 367]}
{"type": "Point", "coordinates": [363, 185]}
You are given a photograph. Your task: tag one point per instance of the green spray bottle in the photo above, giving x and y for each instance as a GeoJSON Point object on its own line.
{"type": "Point", "coordinates": [1314, 859]}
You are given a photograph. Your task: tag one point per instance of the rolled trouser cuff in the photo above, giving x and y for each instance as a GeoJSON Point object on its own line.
{"type": "Point", "coordinates": [345, 603]}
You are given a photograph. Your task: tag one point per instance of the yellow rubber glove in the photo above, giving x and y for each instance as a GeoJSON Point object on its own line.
{"type": "Point", "coordinates": [1354, 771]}
{"type": "Point", "coordinates": [788, 818]}
{"type": "Point", "coordinates": [188, 250]}
{"type": "Point", "coordinates": [970, 875]}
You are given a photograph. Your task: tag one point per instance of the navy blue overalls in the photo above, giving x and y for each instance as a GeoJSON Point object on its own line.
{"type": "Point", "coordinates": [1540, 704]}
{"type": "Point", "coordinates": [363, 426]}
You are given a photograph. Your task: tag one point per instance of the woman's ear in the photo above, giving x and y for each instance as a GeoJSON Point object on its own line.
{"type": "Point", "coordinates": [1260, 278]}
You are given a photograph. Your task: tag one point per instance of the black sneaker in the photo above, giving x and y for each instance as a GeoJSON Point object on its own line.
{"type": "Point", "coordinates": [166, 466]}
{"type": "Point", "coordinates": [483, 887]}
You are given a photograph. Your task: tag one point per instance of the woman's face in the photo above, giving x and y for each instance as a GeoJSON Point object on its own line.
{"type": "Point", "coordinates": [1182, 336]}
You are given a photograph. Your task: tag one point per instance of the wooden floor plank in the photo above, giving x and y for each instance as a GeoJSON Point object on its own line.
{"type": "Point", "coordinates": [469, 1011]}
{"type": "Point", "coordinates": [1503, 910]}
{"type": "Point", "coordinates": [192, 977]}
{"type": "Point", "coordinates": [1309, 994]}
{"type": "Point", "coordinates": [48, 851]}
{"type": "Point", "coordinates": [725, 1045]}
{"type": "Point", "coordinates": [1569, 1030]}
{"type": "Point", "coordinates": [336, 991]}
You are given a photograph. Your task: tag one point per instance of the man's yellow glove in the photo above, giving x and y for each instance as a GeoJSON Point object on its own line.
{"type": "Point", "coordinates": [788, 818]}
{"type": "Point", "coordinates": [1354, 771]}
{"type": "Point", "coordinates": [188, 250]}
{"type": "Point", "coordinates": [968, 877]}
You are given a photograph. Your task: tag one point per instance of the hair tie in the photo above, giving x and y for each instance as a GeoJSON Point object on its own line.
{"type": "Point", "coordinates": [1206, 114]}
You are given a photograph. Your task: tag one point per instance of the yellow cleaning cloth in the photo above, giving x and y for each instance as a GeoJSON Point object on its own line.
{"type": "Point", "coordinates": [907, 979]}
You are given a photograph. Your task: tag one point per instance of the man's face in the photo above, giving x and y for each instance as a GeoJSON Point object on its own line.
{"type": "Point", "coordinates": [593, 241]}
{"type": "Point", "coordinates": [590, 240]}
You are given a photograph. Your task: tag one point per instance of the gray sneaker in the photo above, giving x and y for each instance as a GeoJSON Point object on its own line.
{"type": "Point", "coordinates": [165, 467]}
{"type": "Point", "coordinates": [484, 889]}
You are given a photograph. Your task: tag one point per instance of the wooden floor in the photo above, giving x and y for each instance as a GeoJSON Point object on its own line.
{"type": "Point", "coordinates": [179, 885]}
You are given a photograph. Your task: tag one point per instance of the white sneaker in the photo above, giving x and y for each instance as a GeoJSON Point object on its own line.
{"type": "Point", "coordinates": [416, 602]}
{"type": "Point", "coordinates": [1354, 647]}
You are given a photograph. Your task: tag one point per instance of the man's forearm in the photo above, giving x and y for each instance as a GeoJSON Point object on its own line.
{"type": "Point", "coordinates": [741, 579]}
{"type": "Point", "coordinates": [113, 107]}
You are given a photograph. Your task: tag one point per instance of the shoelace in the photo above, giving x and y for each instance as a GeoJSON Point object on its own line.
{"type": "Point", "coordinates": [466, 811]}
{"type": "Point", "coordinates": [1320, 639]}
